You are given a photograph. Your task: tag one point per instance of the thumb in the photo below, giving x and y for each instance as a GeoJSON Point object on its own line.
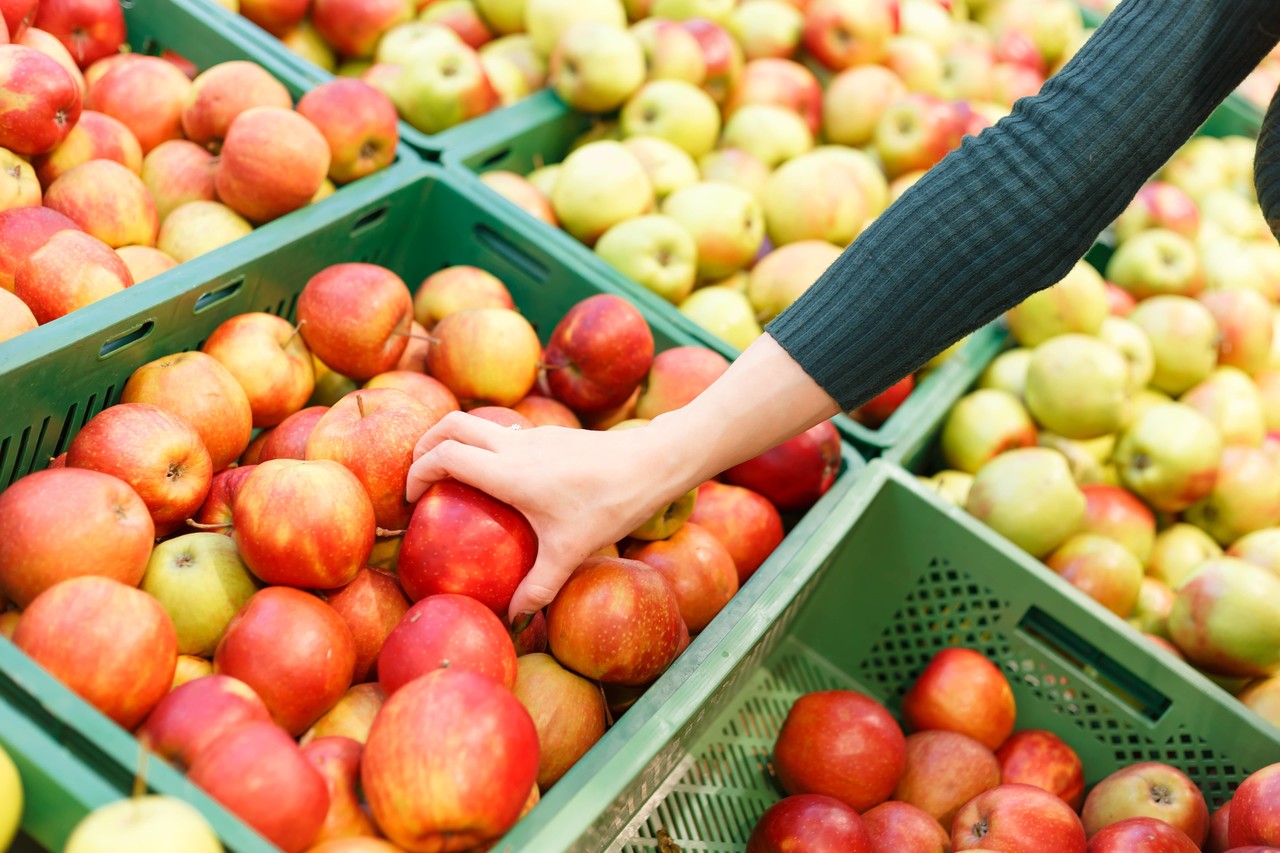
{"type": "Point", "coordinates": [540, 586]}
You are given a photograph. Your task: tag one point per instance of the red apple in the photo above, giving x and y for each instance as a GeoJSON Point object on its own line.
{"type": "Point", "coordinates": [456, 731]}
{"type": "Point", "coordinates": [353, 27]}
{"type": "Point", "coordinates": [71, 270]}
{"type": "Point", "coordinates": [198, 389]}
{"type": "Point", "coordinates": [194, 716]}
{"type": "Point", "coordinates": [446, 632]}
{"type": "Point", "coordinates": [1040, 758]}
{"type": "Point", "coordinates": [533, 639]}
{"type": "Point", "coordinates": [485, 355]}
{"type": "Point", "coordinates": [797, 472]}
{"type": "Point", "coordinates": [277, 17]}
{"type": "Point", "coordinates": [461, 16]}
{"type": "Point", "coordinates": [1141, 835]}
{"type": "Point", "coordinates": [883, 405]}
{"type": "Point", "coordinates": [110, 643]}
{"type": "Point", "coordinates": [544, 411]}
{"type": "Point", "coordinates": [721, 55]}
{"type": "Point", "coordinates": [221, 93]}
{"type": "Point", "coordinates": [961, 691]}
{"type": "Point", "coordinates": [108, 201]}
{"type": "Point", "coordinates": [95, 137]}
{"type": "Point", "coordinates": [1115, 513]}
{"type": "Point", "coordinates": [293, 650]}
{"type": "Point", "coordinates": [1255, 817]}
{"type": "Point", "coordinates": [1218, 830]}
{"type": "Point", "coordinates": [1120, 302]}
{"type": "Point", "coordinates": [354, 317]}
{"type": "Point", "coordinates": [215, 512]}
{"type": "Point", "coordinates": [427, 390]}
{"type": "Point", "coordinates": [18, 15]}
{"type": "Point", "coordinates": [262, 777]}
{"type": "Point", "coordinates": [273, 162]}
{"type": "Point", "coordinates": [23, 230]}
{"type": "Point", "coordinates": [598, 354]}
{"type": "Point", "coordinates": [615, 621]}
{"type": "Point", "coordinates": [567, 710]}
{"type": "Point", "coordinates": [782, 83]}
{"type": "Point", "coordinates": [900, 826]}
{"type": "Point", "coordinates": [1018, 819]}
{"type": "Point", "coordinates": [1148, 789]}
{"type": "Point", "coordinates": [338, 760]}
{"type": "Point", "coordinates": [371, 605]}
{"type": "Point", "coordinates": [698, 568]}
{"type": "Point", "coordinates": [289, 439]}
{"type": "Point", "coordinates": [269, 360]}
{"type": "Point", "coordinates": [810, 823]}
{"type": "Point", "coordinates": [88, 29]}
{"type": "Point", "coordinates": [677, 376]}
{"type": "Point", "coordinates": [844, 33]}
{"type": "Point", "coordinates": [359, 123]}
{"type": "Point", "coordinates": [156, 452]}
{"type": "Point", "coordinates": [111, 535]}
{"type": "Point", "coordinates": [746, 523]}
{"type": "Point", "coordinates": [147, 94]}
{"type": "Point", "coordinates": [462, 541]}
{"type": "Point", "coordinates": [842, 744]}
{"type": "Point", "coordinates": [944, 771]}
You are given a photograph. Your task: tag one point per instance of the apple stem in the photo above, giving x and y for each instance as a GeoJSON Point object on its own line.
{"type": "Point", "coordinates": [538, 161]}
{"type": "Point", "coordinates": [296, 329]}
{"type": "Point", "coordinates": [360, 404]}
{"type": "Point", "coordinates": [608, 714]}
{"type": "Point", "coordinates": [222, 525]}
{"type": "Point", "coordinates": [384, 533]}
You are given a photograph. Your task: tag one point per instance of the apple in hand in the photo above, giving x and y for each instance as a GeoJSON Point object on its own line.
{"type": "Point", "coordinates": [371, 605]}
{"type": "Point", "coordinates": [338, 760]}
{"type": "Point", "coordinates": [810, 822]}
{"type": "Point", "coordinates": [202, 583]}
{"type": "Point", "coordinates": [1040, 758]}
{"type": "Point", "coordinates": [1020, 818]}
{"type": "Point", "coordinates": [71, 270]}
{"type": "Point", "coordinates": [273, 161]}
{"type": "Point", "coordinates": [567, 710]}
{"type": "Point", "coordinates": [1148, 789]}
{"type": "Point", "coordinates": [485, 355]}
{"type": "Point", "coordinates": [796, 473]}
{"type": "Point", "coordinates": [43, 105]}
{"type": "Point", "coordinates": [359, 123]}
{"type": "Point", "coordinates": [598, 354]}
{"type": "Point", "coordinates": [961, 691]}
{"type": "Point", "coordinates": [190, 718]}
{"type": "Point", "coordinates": [354, 318]}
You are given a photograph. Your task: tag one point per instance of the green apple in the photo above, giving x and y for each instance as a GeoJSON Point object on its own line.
{"type": "Point", "coordinates": [766, 28]}
{"type": "Point", "coordinates": [669, 166]}
{"type": "Point", "coordinates": [654, 250]}
{"type": "Point", "coordinates": [443, 88]}
{"type": "Point", "coordinates": [1261, 547]}
{"type": "Point", "coordinates": [952, 486]}
{"type": "Point", "coordinates": [1076, 304]}
{"type": "Point", "coordinates": [148, 824]}
{"type": "Point", "coordinates": [1028, 496]}
{"type": "Point", "coordinates": [716, 11]}
{"type": "Point", "coordinates": [1245, 496]}
{"type": "Point", "coordinates": [1134, 346]}
{"type": "Point", "coordinates": [981, 426]}
{"type": "Point", "coordinates": [1226, 618]}
{"type": "Point", "coordinates": [504, 17]}
{"type": "Point", "coordinates": [1184, 340]}
{"type": "Point", "coordinates": [600, 185]}
{"type": "Point", "coordinates": [405, 42]}
{"type": "Point", "coordinates": [1229, 265]}
{"type": "Point", "coordinates": [1169, 456]}
{"type": "Point", "coordinates": [770, 133]}
{"type": "Point", "coordinates": [519, 50]}
{"type": "Point", "coordinates": [544, 179]}
{"type": "Point", "coordinates": [10, 800]}
{"type": "Point", "coordinates": [1157, 262]}
{"type": "Point", "coordinates": [1234, 214]}
{"type": "Point", "coordinates": [1086, 467]}
{"type": "Point", "coordinates": [1007, 372]}
{"type": "Point", "coordinates": [676, 111]}
{"type": "Point", "coordinates": [724, 312]}
{"type": "Point", "coordinates": [201, 582]}
{"type": "Point", "coordinates": [547, 20]}
{"type": "Point", "coordinates": [780, 277]}
{"type": "Point", "coordinates": [726, 223]}
{"type": "Point", "coordinates": [1076, 386]}
{"type": "Point", "coordinates": [1150, 613]}
{"type": "Point", "coordinates": [1231, 401]}
{"type": "Point", "coordinates": [505, 78]}
{"type": "Point", "coordinates": [596, 67]}
{"type": "Point", "coordinates": [814, 197]}
{"type": "Point", "coordinates": [1139, 403]}
{"type": "Point", "coordinates": [1178, 551]}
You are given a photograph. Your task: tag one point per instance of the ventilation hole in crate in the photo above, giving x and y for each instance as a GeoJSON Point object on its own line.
{"type": "Point", "coordinates": [4, 460]}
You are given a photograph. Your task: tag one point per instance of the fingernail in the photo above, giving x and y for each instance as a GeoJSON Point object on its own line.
{"type": "Point", "coordinates": [522, 621]}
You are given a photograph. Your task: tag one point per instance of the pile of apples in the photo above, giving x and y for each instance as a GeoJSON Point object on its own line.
{"type": "Point", "coordinates": [965, 780]}
{"type": "Point", "coordinates": [115, 167]}
{"type": "Point", "coordinates": [314, 602]}
{"type": "Point", "coordinates": [1134, 433]}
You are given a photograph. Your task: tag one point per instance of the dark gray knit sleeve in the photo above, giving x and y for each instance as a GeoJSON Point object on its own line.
{"type": "Point", "coordinates": [1010, 211]}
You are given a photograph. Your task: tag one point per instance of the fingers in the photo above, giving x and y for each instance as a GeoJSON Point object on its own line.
{"type": "Point", "coordinates": [459, 426]}
{"type": "Point", "coordinates": [471, 465]}
{"type": "Point", "coordinates": [541, 585]}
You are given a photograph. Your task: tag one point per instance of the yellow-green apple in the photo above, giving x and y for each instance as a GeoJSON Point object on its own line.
{"type": "Point", "coordinates": [598, 354]}
{"type": "Point", "coordinates": [354, 318]}
{"type": "Point", "coordinates": [197, 388]}
{"type": "Point", "coordinates": [1261, 547]}
{"type": "Point", "coordinates": [983, 425]}
{"type": "Point", "coordinates": [782, 83]}
{"type": "Point", "coordinates": [567, 710]}
{"type": "Point", "coordinates": [222, 92]}
{"type": "Point", "coordinates": [1178, 552]}
{"type": "Point", "coordinates": [664, 523]}
{"type": "Point", "coordinates": [674, 110]}
{"type": "Point", "coordinates": [1170, 456]}
{"type": "Point", "coordinates": [677, 376]}
{"type": "Point", "coordinates": [88, 29]}
{"type": "Point", "coordinates": [794, 474]}
{"type": "Point", "coordinates": [945, 770]}
{"type": "Point", "coordinates": [1150, 613]}
{"type": "Point", "coordinates": [18, 15]}
{"type": "Point", "coordinates": [1077, 303]}
{"type": "Point", "coordinates": [615, 620]}
{"type": "Point", "coordinates": [522, 194]}
{"type": "Point", "coordinates": [147, 94]}
{"type": "Point", "coordinates": [721, 54]}
{"type": "Point", "coordinates": [854, 101]}
{"type": "Point", "coordinates": [875, 188]}
{"type": "Point", "coordinates": [177, 172]}
{"type": "Point", "coordinates": [916, 63]}
{"type": "Point", "coordinates": [1245, 496]}
{"type": "Point", "coordinates": [44, 101]}
{"type": "Point", "coordinates": [816, 822]}
{"type": "Point", "coordinates": [1076, 386]}
{"type": "Point", "coordinates": [19, 186]}
{"type": "Point", "coordinates": [123, 678]}
{"type": "Point", "coordinates": [445, 87]}
{"type": "Point", "coordinates": [827, 734]}
{"type": "Point", "coordinates": [325, 535]}
{"type": "Point", "coordinates": [1115, 513]}
{"type": "Point", "coordinates": [1132, 343]}
{"type": "Point", "coordinates": [1148, 789]}
{"type": "Point", "coordinates": [930, 20]}
{"type": "Point", "coordinates": [952, 486]}
{"type": "Point", "coordinates": [725, 312]}
{"type": "Point", "coordinates": [1234, 214]}
{"type": "Point", "coordinates": [358, 122]}
{"type": "Point", "coordinates": [1253, 810]}
{"type": "Point", "coordinates": [518, 49]}
{"type": "Point", "coordinates": [338, 760]}
{"type": "Point", "coordinates": [272, 162]}
{"type": "Point", "coordinates": [486, 355]}
{"type": "Point", "coordinates": [1229, 265]}
{"type": "Point", "coordinates": [1184, 337]}
{"type": "Point", "coordinates": [1224, 618]}
{"type": "Point", "coordinates": [504, 17]}
{"type": "Point", "coordinates": [145, 262]}
{"type": "Point", "coordinates": [190, 718]}
{"type": "Point", "coordinates": [1266, 259]}
{"type": "Point", "coordinates": [544, 411]}
{"type": "Point", "coordinates": [461, 16]}
{"type": "Point", "coordinates": [306, 42]}
{"type": "Point", "coordinates": [313, 655]}
{"type": "Point", "coordinates": [1159, 205]}
{"type": "Point", "coordinates": [600, 185]}
{"type": "Point", "coordinates": [446, 631]}
{"type": "Point", "coordinates": [1157, 262]}
{"type": "Point", "coordinates": [1040, 758]}
{"type": "Point", "coordinates": [596, 67]}
{"type": "Point", "coordinates": [144, 822]}
{"type": "Point", "coordinates": [423, 736]}
{"type": "Point", "coordinates": [669, 166]}
{"type": "Point", "coordinates": [95, 137]}
{"type": "Point", "coordinates": [270, 361]}
{"type": "Point", "coordinates": [331, 386]}
{"type": "Point", "coordinates": [239, 767]}
{"type": "Point", "coordinates": [1088, 460]}
{"type": "Point", "coordinates": [968, 72]}
{"type": "Point", "coordinates": [462, 541]}
{"type": "Point", "coordinates": [1263, 698]}
{"type": "Point", "coordinates": [455, 288]}
{"type": "Point", "coordinates": [699, 569]}
{"type": "Point", "coordinates": [961, 691]}
{"type": "Point", "coordinates": [371, 605]}
{"type": "Point", "coordinates": [916, 132]}
{"type": "Point", "coordinates": [1102, 569]}
{"type": "Point", "coordinates": [351, 717]}
{"type": "Point", "coordinates": [108, 201]}
{"type": "Point", "coordinates": [670, 51]}
{"type": "Point", "coordinates": [814, 197]}
{"type": "Point", "coordinates": [506, 78]}
{"type": "Point", "coordinates": [37, 552]}
{"type": "Point", "coordinates": [1017, 817]}
{"type": "Point", "coordinates": [770, 133]}
{"type": "Point", "coordinates": [427, 390]}
{"type": "Point", "coordinates": [353, 29]}
{"type": "Point", "coordinates": [547, 20]}
{"type": "Point", "coordinates": [215, 513]}
{"type": "Point", "coordinates": [277, 17]}
{"type": "Point", "coordinates": [654, 250]}
{"type": "Point", "coordinates": [15, 316]}
{"type": "Point", "coordinates": [844, 33]}
{"type": "Point", "coordinates": [72, 269]}
{"type": "Point", "coordinates": [155, 451]}
{"type": "Point", "coordinates": [766, 28]}
{"type": "Point", "coordinates": [726, 222]}
{"type": "Point", "coordinates": [1244, 322]}
{"type": "Point", "coordinates": [901, 826]}
{"type": "Point", "coordinates": [1231, 401]}
{"type": "Point", "coordinates": [734, 166]}
{"type": "Point", "coordinates": [1007, 372]}
{"type": "Point", "coordinates": [682, 10]}
{"type": "Point", "coordinates": [1028, 496]}
{"type": "Point", "coordinates": [202, 583]}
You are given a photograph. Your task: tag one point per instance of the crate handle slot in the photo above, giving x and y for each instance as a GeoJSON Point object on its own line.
{"type": "Point", "coordinates": [501, 154]}
{"type": "Point", "coordinates": [215, 297]}
{"type": "Point", "coordinates": [511, 253]}
{"type": "Point", "coordinates": [1124, 685]}
{"type": "Point", "coordinates": [369, 220]}
{"type": "Point", "coordinates": [126, 339]}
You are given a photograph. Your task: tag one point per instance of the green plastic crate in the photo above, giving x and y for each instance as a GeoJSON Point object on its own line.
{"type": "Point", "coordinates": [426, 222]}
{"type": "Point", "coordinates": [909, 576]}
